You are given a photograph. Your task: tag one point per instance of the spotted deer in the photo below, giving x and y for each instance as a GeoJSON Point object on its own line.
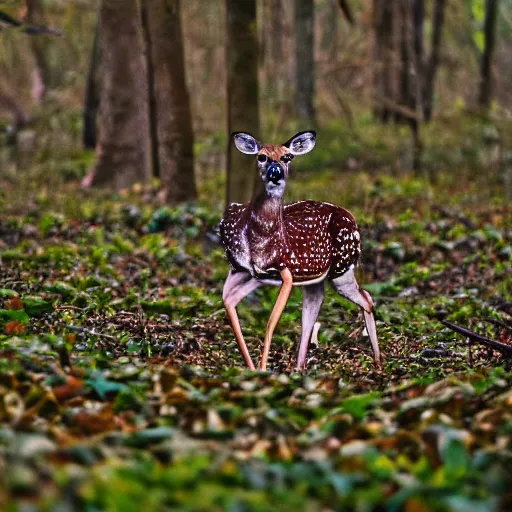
{"type": "Point", "coordinates": [300, 244]}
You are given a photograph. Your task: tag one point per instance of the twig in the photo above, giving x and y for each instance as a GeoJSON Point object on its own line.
{"type": "Point", "coordinates": [484, 340]}
{"type": "Point", "coordinates": [92, 332]}
{"type": "Point", "coordinates": [71, 308]}
{"type": "Point", "coordinates": [404, 111]}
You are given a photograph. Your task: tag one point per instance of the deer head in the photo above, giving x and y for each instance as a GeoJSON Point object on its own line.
{"type": "Point", "coordinates": [274, 161]}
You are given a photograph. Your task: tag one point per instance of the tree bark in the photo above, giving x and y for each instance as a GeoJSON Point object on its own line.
{"type": "Point", "coordinates": [172, 114]}
{"type": "Point", "coordinates": [418, 23]}
{"type": "Point", "coordinates": [328, 41]}
{"type": "Point", "coordinates": [274, 48]}
{"type": "Point", "coordinates": [384, 59]}
{"type": "Point", "coordinates": [491, 13]}
{"type": "Point", "coordinates": [123, 155]}
{"type": "Point", "coordinates": [433, 61]}
{"type": "Point", "coordinates": [304, 60]}
{"type": "Point", "coordinates": [413, 18]}
{"type": "Point", "coordinates": [153, 128]}
{"type": "Point", "coordinates": [242, 94]}
{"type": "Point", "coordinates": [92, 99]}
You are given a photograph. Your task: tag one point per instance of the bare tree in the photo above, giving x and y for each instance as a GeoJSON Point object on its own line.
{"type": "Point", "coordinates": [491, 13]}
{"type": "Point", "coordinates": [400, 67]}
{"type": "Point", "coordinates": [123, 155]}
{"type": "Point", "coordinates": [171, 115]}
{"type": "Point", "coordinates": [242, 93]}
{"type": "Point", "coordinates": [304, 60]}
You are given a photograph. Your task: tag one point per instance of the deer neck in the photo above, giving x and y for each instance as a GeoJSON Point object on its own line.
{"type": "Point", "coordinates": [267, 215]}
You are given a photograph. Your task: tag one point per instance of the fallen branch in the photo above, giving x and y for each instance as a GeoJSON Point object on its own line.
{"type": "Point", "coordinates": [478, 338]}
{"type": "Point", "coordinates": [7, 21]}
{"type": "Point", "coordinates": [499, 323]}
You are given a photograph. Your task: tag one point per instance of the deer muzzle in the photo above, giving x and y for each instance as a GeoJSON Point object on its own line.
{"type": "Point", "coordinates": [275, 173]}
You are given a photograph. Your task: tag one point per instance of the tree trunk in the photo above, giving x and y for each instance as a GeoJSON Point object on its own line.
{"type": "Point", "coordinates": [173, 118]}
{"type": "Point", "coordinates": [273, 41]}
{"type": "Point", "coordinates": [418, 71]}
{"type": "Point", "coordinates": [433, 61]}
{"type": "Point", "coordinates": [153, 125]}
{"type": "Point", "coordinates": [413, 17]}
{"type": "Point", "coordinates": [412, 20]}
{"type": "Point", "coordinates": [92, 99]}
{"type": "Point", "coordinates": [42, 78]}
{"type": "Point", "coordinates": [491, 12]}
{"type": "Point", "coordinates": [123, 154]}
{"type": "Point", "coordinates": [384, 59]}
{"type": "Point", "coordinates": [329, 39]}
{"type": "Point", "coordinates": [304, 60]}
{"type": "Point", "coordinates": [242, 94]}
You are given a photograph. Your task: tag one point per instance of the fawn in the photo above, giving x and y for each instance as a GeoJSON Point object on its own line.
{"type": "Point", "coordinates": [299, 244]}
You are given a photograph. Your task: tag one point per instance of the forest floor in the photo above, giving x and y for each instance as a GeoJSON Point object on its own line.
{"type": "Point", "coordinates": [121, 386]}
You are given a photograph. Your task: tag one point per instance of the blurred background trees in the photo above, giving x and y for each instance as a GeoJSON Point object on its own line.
{"type": "Point", "coordinates": [379, 79]}
{"type": "Point", "coordinates": [242, 93]}
{"type": "Point", "coordinates": [123, 149]}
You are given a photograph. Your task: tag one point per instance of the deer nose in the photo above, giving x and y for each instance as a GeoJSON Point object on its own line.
{"type": "Point", "coordinates": [275, 172]}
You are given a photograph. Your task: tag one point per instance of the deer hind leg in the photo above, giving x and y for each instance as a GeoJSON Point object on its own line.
{"type": "Point", "coordinates": [346, 285]}
{"type": "Point", "coordinates": [237, 286]}
{"type": "Point", "coordinates": [312, 299]}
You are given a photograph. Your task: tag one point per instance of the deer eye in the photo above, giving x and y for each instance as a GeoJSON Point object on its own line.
{"type": "Point", "coordinates": [262, 158]}
{"type": "Point", "coordinates": [286, 158]}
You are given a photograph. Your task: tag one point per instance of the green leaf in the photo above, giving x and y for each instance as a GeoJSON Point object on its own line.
{"type": "Point", "coordinates": [479, 40]}
{"type": "Point", "coordinates": [35, 306]}
{"type": "Point", "coordinates": [5, 293]}
{"type": "Point", "coordinates": [382, 288]}
{"type": "Point", "coordinates": [478, 10]}
{"type": "Point", "coordinates": [357, 405]}
{"type": "Point", "coordinates": [149, 436]}
{"type": "Point", "coordinates": [18, 315]}
{"type": "Point", "coordinates": [103, 386]}
{"type": "Point", "coordinates": [455, 457]}
{"type": "Point", "coordinates": [61, 288]}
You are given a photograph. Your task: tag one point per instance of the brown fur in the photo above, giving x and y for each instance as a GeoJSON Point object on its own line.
{"type": "Point", "coordinates": [273, 152]}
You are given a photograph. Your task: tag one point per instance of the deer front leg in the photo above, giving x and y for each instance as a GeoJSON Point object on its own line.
{"type": "Point", "coordinates": [281, 301]}
{"type": "Point", "coordinates": [312, 299]}
{"type": "Point", "coordinates": [237, 286]}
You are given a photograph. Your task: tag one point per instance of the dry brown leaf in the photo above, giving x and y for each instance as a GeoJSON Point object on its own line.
{"type": "Point", "coordinates": [14, 327]}
{"type": "Point", "coordinates": [14, 303]}
{"type": "Point", "coordinates": [71, 388]}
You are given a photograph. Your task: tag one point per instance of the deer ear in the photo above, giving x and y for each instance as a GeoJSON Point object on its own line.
{"type": "Point", "coordinates": [246, 143]}
{"type": "Point", "coordinates": [301, 143]}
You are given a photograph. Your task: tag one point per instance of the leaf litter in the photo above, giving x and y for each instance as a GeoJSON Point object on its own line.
{"type": "Point", "coordinates": [121, 385]}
